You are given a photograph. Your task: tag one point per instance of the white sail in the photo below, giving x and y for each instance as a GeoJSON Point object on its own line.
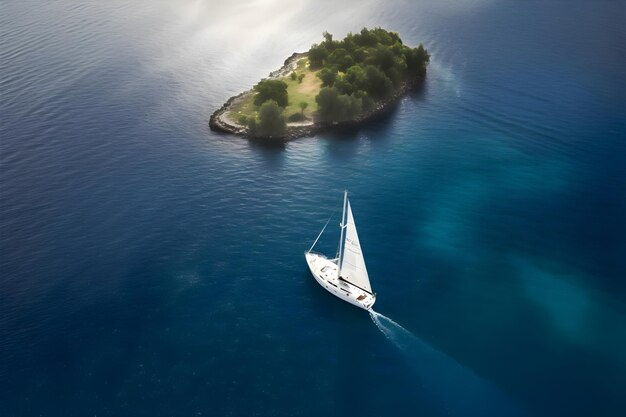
{"type": "Point", "coordinates": [352, 268]}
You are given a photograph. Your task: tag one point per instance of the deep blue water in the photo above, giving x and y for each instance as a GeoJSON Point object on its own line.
{"type": "Point", "coordinates": [150, 267]}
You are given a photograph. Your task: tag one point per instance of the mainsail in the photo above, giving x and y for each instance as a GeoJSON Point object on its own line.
{"type": "Point", "coordinates": [352, 264]}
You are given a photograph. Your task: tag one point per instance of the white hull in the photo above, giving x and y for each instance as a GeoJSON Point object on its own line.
{"type": "Point", "coordinates": [326, 271]}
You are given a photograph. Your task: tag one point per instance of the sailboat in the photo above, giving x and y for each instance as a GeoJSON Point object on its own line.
{"type": "Point", "coordinates": [345, 276]}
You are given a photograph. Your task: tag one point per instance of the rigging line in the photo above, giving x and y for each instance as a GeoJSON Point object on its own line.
{"type": "Point", "coordinates": [324, 228]}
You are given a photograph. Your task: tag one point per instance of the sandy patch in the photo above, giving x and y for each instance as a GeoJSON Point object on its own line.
{"type": "Point", "coordinates": [310, 84]}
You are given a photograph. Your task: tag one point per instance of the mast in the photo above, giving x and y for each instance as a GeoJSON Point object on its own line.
{"type": "Point", "coordinates": [343, 228]}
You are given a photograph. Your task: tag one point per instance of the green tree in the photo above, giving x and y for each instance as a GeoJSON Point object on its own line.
{"type": "Point", "coordinates": [348, 107]}
{"type": "Point", "coordinates": [333, 106]}
{"type": "Point", "coordinates": [303, 105]}
{"type": "Point", "coordinates": [361, 69]}
{"type": "Point", "coordinates": [317, 55]}
{"type": "Point", "coordinates": [271, 120]}
{"type": "Point", "coordinates": [356, 76]}
{"type": "Point", "coordinates": [271, 90]}
{"type": "Point", "coordinates": [343, 85]}
{"type": "Point", "coordinates": [377, 84]}
{"type": "Point", "coordinates": [327, 76]}
{"type": "Point", "coordinates": [341, 59]}
{"type": "Point", "coordinates": [360, 54]}
{"type": "Point", "coordinates": [366, 100]}
{"type": "Point", "coordinates": [301, 77]}
{"type": "Point", "coordinates": [329, 44]}
{"type": "Point", "coordinates": [328, 37]}
{"type": "Point", "coordinates": [382, 56]}
{"type": "Point", "coordinates": [293, 76]}
{"type": "Point", "coordinates": [385, 37]}
{"type": "Point", "coordinates": [327, 101]}
{"type": "Point", "coordinates": [416, 60]}
{"type": "Point", "coordinates": [423, 58]}
{"type": "Point", "coordinates": [366, 38]}
{"type": "Point", "coordinates": [348, 43]}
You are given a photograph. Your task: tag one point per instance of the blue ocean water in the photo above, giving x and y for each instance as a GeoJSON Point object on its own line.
{"type": "Point", "coordinates": [151, 267]}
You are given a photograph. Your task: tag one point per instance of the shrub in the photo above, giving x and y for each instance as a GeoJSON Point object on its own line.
{"type": "Point", "coordinates": [293, 76]}
{"type": "Point", "coordinates": [252, 126]}
{"type": "Point", "coordinates": [242, 119]}
{"type": "Point", "coordinates": [296, 117]}
{"type": "Point", "coordinates": [300, 78]}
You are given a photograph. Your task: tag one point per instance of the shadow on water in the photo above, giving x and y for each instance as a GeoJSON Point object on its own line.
{"type": "Point", "coordinates": [451, 387]}
{"type": "Point", "coordinates": [272, 152]}
{"type": "Point", "coordinates": [378, 122]}
{"type": "Point", "coordinates": [419, 92]}
{"type": "Point", "coordinates": [265, 144]}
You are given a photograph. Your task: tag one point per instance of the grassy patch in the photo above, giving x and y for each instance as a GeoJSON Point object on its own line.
{"type": "Point", "coordinates": [298, 92]}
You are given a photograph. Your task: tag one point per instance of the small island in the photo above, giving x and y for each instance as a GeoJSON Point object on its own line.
{"type": "Point", "coordinates": [335, 83]}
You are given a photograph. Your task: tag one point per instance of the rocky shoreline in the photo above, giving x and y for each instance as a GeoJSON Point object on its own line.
{"type": "Point", "coordinates": [219, 122]}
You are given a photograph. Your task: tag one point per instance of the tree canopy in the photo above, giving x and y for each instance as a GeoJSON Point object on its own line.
{"type": "Point", "coordinates": [362, 68]}
{"type": "Point", "coordinates": [337, 107]}
{"type": "Point", "coordinates": [275, 90]}
{"type": "Point", "coordinates": [271, 120]}
{"type": "Point", "coordinates": [328, 76]}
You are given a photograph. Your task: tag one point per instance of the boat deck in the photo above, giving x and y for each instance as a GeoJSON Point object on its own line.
{"type": "Point", "coordinates": [326, 272]}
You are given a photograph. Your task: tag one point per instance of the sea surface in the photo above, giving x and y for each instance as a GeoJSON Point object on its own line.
{"type": "Point", "coordinates": [151, 267]}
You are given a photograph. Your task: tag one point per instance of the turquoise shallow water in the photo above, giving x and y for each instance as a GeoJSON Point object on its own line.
{"type": "Point", "coordinates": [149, 266]}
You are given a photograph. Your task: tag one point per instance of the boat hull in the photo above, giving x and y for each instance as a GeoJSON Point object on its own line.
{"type": "Point", "coordinates": [325, 272]}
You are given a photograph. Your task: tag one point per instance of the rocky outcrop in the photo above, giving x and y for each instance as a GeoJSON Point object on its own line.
{"type": "Point", "coordinates": [221, 123]}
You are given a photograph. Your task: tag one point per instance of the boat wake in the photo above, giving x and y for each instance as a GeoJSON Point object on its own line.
{"type": "Point", "coordinates": [397, 334]}
{"type": "Point", "coordinates": [453, 388]}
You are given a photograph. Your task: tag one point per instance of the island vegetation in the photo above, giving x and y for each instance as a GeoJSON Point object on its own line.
{"type": "Point", "coordinates": [336, 81]}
